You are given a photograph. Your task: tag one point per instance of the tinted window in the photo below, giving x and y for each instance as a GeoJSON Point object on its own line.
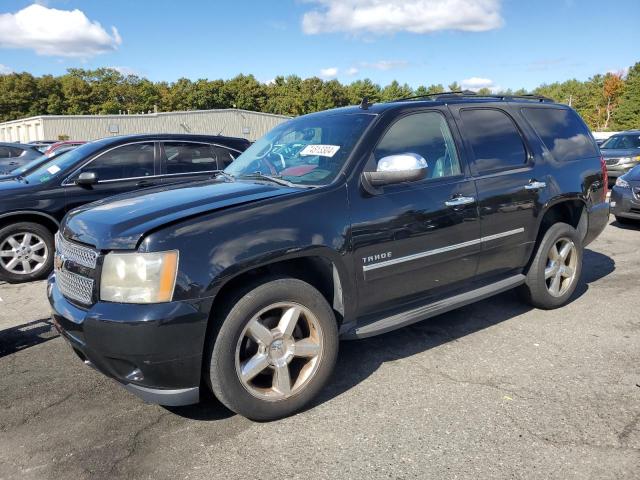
{"type": "Point", "coordinates": [15, 151]}
{"type": "Point", "coordinates": [183, 157]}
{"type": "Point", "coordinates": [562, 132]}
{"type": "Point", "coordinates": [224, 155]}
{"type": "Point", "coordinates": [622, 142]}
{"type": "Point", "coordinates": [5, 152]}
{"type": "Point", "coordinates": [494, 138]}
{"type": "Point", "coordinates": [128, 161]}
{"type": "Point", "coordinates": [426, 134]}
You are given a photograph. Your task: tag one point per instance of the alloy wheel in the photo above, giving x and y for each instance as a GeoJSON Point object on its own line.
{"type": "Point", "coordinates": [279, 351]}
{"type": "Point", "coordinates": [560, 271]}
{"type": "Point", "coordinates": [23, 253]}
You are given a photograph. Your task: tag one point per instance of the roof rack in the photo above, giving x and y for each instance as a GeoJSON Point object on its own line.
{"type": "Point", "coordinates": [470, 93]}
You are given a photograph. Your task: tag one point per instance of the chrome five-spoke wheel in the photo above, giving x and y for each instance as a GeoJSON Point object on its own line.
{"type": "Point", "coordinates": [560, 271]}
{"type": "Point", "coordinates": [23, 253]}
{"type": "Point", "coordinates": [279, 351]}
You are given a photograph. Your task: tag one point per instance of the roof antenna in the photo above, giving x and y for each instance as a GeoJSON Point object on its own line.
{"type": "Point", "coordinates": [364, 104]}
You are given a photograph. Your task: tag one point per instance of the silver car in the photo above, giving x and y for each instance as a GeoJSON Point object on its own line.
{"type": "Point", "coordinates": [621, 152]}
{"type": "Point", "coordinates": [625, 197]}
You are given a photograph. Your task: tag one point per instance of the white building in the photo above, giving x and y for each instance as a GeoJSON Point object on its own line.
{"type": "Point", "coordinates": [229, 122]}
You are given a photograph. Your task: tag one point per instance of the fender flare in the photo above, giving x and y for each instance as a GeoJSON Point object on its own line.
{"type": "Point", "coordinates": [17, 213]}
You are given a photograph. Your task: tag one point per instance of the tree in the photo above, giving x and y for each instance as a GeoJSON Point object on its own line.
{"type": "Point", "coordinates": [627, 115]}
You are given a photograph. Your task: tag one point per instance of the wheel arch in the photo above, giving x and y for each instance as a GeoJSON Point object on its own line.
{"type": "Point", "coordinates": [41, 218]}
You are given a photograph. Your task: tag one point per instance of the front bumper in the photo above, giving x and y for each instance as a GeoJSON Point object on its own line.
{"type": "Point", "coordinates": [624, 203]}
{"type": "Point", "coordinates": [615, 171]}
{"type": "Point", "coordinates": [154, 351]}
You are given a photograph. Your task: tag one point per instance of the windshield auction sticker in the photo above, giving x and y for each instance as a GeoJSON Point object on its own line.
{"type": "Point", "coordinates": [320, 150]}
{"type": "Point", "coordinates": [53, 169]}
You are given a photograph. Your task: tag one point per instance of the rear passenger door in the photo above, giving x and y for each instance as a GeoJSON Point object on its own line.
{"type": "Point", "coordinates": [508, 184]}
{"type": "Point", "coordinates": [185, 161]}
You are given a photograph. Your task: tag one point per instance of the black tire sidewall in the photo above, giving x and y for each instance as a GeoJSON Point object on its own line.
{"type": "Point", "coordinates": [221, 374]}
{"type": "Point", "coordinates": [536, 283]}
{"type": "Point", "coordinates": [47, 237]}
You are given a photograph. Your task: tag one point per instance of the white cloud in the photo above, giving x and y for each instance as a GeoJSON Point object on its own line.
{"type": "Point", "coordinates": [126, 71]}
{"type": "Point", "coordinates": [476, 83]}
{"type": "Point", "coordinates": [330, 72]}
{"type": "Point", "coordinates": [390, 16]}
{"type": "Point", "coordinates": [61, 33]}
{"type": "Point", "coordinates": [385, 64]}
{"type": "Point", "coordinates": [4, 70]}
{"type": "Point", "coordinates": [352, 71]}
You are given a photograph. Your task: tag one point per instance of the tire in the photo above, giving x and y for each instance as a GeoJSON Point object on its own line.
{"type": "Point", "coordinates": [21, 264]}
{"type": "Point", "coordinates": [539, 290]}
{"type": "Point", "coordinates": [264, 396]}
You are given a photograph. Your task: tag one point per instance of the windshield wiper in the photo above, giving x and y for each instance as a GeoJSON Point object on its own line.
{"type": "Point", "coordinates": [277, 179]}
{"type": "Point", "coordinates": [227, 176]}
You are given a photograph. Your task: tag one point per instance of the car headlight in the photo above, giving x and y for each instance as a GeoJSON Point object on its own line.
{"type": "Point", "coordinates": [629, 159]}
{"type": "Point", "coordinates": [622, 183]}
{"type": "Point", "coordinates": [139, 277]}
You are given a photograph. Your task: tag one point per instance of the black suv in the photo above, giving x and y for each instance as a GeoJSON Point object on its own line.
{"type": "Point", "coordinates": [33, 202]}
{"type": "Point", "coordinates": [341, 224]}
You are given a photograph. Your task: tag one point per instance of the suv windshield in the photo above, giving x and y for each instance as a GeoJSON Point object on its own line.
{"type": "Point", "coordinates": [622, 142]}
{"type": "Point", "coordinates": [307, 151]}
{"type": "Point", "coordinates": [59, 164]}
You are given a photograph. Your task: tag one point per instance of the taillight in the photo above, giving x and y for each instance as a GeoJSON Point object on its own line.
{"type": "Point", "coordinates": [605, 177]}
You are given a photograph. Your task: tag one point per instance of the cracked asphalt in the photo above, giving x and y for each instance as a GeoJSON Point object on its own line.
{"type": "Point", "coordinates": [493, 390]}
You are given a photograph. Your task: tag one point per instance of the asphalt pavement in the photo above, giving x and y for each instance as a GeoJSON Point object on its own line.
{"type": "Point", "coordinates": [493, 390]}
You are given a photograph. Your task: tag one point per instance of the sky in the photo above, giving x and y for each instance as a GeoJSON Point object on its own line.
{"type": "Point", "coordinates": [478, 43]}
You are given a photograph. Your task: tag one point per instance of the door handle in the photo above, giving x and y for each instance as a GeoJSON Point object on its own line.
{"type": "Point", "coordinates": [459, 201]}
{"type": "Point", "coordinates": [535, 185]}
{"type": "Point", "coordinates": [145, 183]}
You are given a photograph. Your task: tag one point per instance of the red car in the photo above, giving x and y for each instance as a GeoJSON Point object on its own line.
{"type": "Point", "coordinates": [67, 144]}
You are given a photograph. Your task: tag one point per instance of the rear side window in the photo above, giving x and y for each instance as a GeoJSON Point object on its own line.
{"type": "Point", "coordinates": [562, 132]}
{"type": "Point", "coordinates": [494, 139]}
{"type": "Point", "coordinates": [15, 151]}
{"type": "Point", "coordinates": [185, 157]}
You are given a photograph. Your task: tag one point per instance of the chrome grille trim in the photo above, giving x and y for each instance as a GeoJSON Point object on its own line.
{"type": "Point", "coordinates": [79, 254]}
{"type": "Point", "coordinates": [75, 287]}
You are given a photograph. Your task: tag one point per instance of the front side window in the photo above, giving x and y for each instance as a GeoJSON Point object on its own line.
{"type": "Point", "coordinates": [309, 150]}
{"type": "Point", "coordinates": [427, 135]}
{"type": "Point", "coordinates": [184, 157]}
{"type": "Point", "coordinates": [494, 139]}
{"type": "Point", "coordinates": [128, 161]}
{"type": "Point", "coordinates": [562, 132]}
{"type": "Point", "coordinates": [623, 142]}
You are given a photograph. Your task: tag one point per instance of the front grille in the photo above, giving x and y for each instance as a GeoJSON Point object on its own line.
{"type": "Point", "coordinates": [71, 266]}
{"type": "Point", "coordinates": [75, 287]}
{"type": "Point", "coordinates": [79, 254]}
{"type": "Point", "coordinates": [612, 161]}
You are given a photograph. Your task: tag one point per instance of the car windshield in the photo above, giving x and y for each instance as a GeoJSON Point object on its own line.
{"type": "Point", "coordinates": [621, 142]}
{"type": "Point", "coordinates": [308, 150]}
{"type": "Point", "coordinates": [59, 164]}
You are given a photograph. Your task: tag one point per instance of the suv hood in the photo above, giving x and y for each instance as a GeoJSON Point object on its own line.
{"type": "Point", "coordinates": [120, 222]}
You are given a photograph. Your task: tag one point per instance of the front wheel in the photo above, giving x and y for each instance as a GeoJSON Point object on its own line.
{"type": "Point", "coordinates": [26, 252]}
{"type": "Point", "coordinates": [274, 351]}
{"type": "Point", "coordinates": [556, 268]}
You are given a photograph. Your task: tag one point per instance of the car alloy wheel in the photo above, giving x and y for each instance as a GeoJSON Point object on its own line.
{"type": "Point", "coordinates": [279, 351]}
{"type": "Point", "coordinates": [23, 253]}
{"type": "Point", "coordinates": [560, 271]}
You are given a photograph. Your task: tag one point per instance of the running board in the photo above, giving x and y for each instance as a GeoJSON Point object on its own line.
{"type": "Point", "coordinates": [408, 317]}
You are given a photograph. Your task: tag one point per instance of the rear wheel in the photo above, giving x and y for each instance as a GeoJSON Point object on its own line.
{"type": "Point", "coordinates": [555, 270]}
{"type": "Point", "coordinates": [274, 351]}
{"type": "Point", "coordinates": [26, 252]}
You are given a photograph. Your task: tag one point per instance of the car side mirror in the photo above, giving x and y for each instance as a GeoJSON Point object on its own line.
{"type": "Point", "coordinates": [86, 179]}
{"type": "Point", "coordinates": [393, 169]}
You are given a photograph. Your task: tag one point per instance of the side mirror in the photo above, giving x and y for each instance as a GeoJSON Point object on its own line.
{"type": "Point", "coordinates": [404, 167]}
{"type": "Point", "coordinates": [86, 179]}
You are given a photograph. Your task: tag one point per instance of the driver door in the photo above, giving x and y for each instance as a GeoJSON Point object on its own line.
{"type": "Point", "coordinates": [119, 170]}
{"type": "Point", "coordinates": [415, 241]}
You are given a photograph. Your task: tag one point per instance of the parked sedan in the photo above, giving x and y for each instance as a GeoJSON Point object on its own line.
{"type": "Point", "coordinates": [66, 145]}
{"type": "Point", "coordinates": [621, 152]}
{"type": "Point", "coordinates": [13, 155]}
{"type": "Point", "coordinates": [32, 205]}
{"type": "Point", "coordinates": [625, 197]}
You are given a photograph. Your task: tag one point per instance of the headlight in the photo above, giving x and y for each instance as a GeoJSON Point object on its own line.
{"type": "Point", "coordinates": [139, 277]}
{"type": "Point", "coordinates": [629, 159]}
{"type": "Point", "coordinates": [622, 183]}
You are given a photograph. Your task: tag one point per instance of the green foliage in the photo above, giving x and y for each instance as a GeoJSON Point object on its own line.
{"type": "Point", "coordinates": [609, 101]}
